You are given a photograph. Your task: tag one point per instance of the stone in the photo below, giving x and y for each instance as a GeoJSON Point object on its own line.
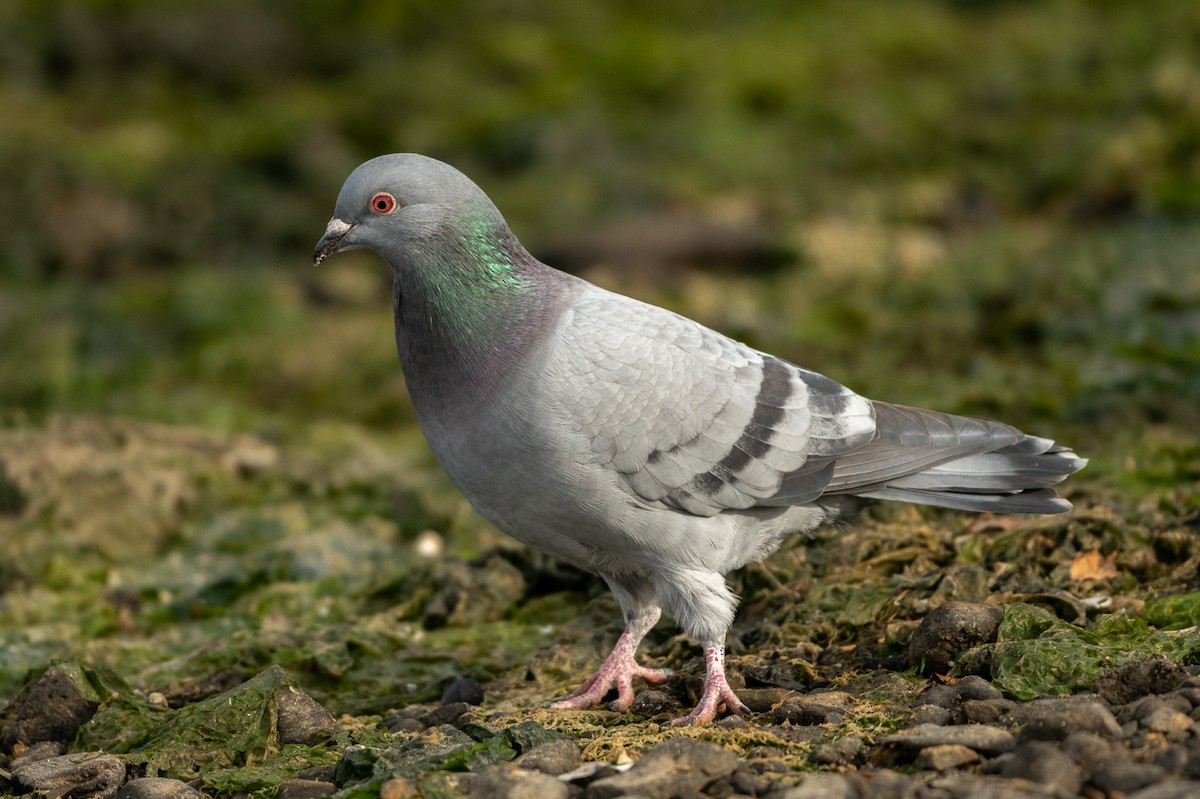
{"type": "Point", "coordinates": [844, 751]}
{"type": "Point", "coordinates": [300, 719]}
{"type": "Point", "coordinates": [157, 788]}
{"type": "Point", "coordinates": [52, 708]}
{"type": "Point", "coordinates": [39, 751]}
{"type": "Point", "coordinates": [1091, 751]}
{"type": "Point", "coordinates": [974, 687]}
{"type": "Point", "coordinates": [938, 695]}
{"type": "Point", "coordinates": [960, 786]}
{"type": "Point", "coordinates": [1182, 789]}
{"type": "Point", "coordinates": [651, 702]}
{"type": "Point", "coordinates": [1054, 718]}
{"type": "Point", "coordinates": [986, 711]}
{"type": "Point", "coordinates": [680, 766]}
{"type": "Point", "coordinates": [946, 756]}
{"type": "Point", "coordinates": [304, 789]}
{"type": "Point", "coordinates": [983, 739]}
{"type": "Point", "coordinates": [1125, 777]}
{"type": "Point", "coordinates": [932, 714]}
{"type": "Point", "coordinates": [554, 758]}
{"type": "Point", "coordinates": [747, 783]}
{"type": "Point", "coordinates": [948, 631]}
{"type": "Point", "coordinates": [1166, 720]}
{"type": "Point", "coordinates": [823, 786]}
{"type": "Point", "coordinates": [1125, 683]}
{"type": "Point", "coordinates": [445, 714]}
{"type": "Point", "coordinates": [464, 689]}
{"type": "Point", "coordinates": [507, 782]}
{"type": "Point", "coordinates": [399, 788]}
{"type": "Point", "coordinates": [90, 774]}
{"type": "Point", "coordinates": [808, 709]}
{"type": "Point", "coordinates": [889, 785]}
{"type": "Point", "coordinates": [1046, 764]}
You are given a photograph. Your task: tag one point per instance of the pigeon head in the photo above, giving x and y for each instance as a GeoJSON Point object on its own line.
{"type": "Point", "coordinates": [405, 206]}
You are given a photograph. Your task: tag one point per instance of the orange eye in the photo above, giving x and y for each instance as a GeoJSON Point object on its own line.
{"type": "Point", "coordinates": [383, 203]}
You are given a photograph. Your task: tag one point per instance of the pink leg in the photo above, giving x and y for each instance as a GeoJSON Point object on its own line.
{"type": "Point", "coordinates": [716, 689]}
{"type": "Point", "coordinates": [618, 670]}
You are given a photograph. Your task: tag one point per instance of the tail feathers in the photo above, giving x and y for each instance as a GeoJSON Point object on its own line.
{"type": "Point", "coordinates": [956, 462]}
{"type": "Point", "coordinates": [1038, 500]}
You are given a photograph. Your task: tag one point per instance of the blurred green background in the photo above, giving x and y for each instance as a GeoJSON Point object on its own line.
{"type": "Point", "coordinates": [983, 207]}
{"type": "Point", "coordinates": [989, 207]}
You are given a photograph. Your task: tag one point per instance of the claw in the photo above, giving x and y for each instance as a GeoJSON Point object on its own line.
{"type": "Point", "coordinates": [716, 690]}
{"type": "Point", "coordinates": [617, 672]}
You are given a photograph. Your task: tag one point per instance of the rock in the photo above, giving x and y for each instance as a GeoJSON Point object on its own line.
{"type": "Point", "coordinates": [1045, 763]}
{"type": "Point", "coordinates": [1054, 718]}
{"type": "Point", "coordinates": [938, 695]}
{"type": "Point", "coordinates": [464, 689]}
{"type": "Point", "coordinates": [986, 711]}
{"type": "Point", "coordinates": [39, 751]}
{"type": "Point", "coordinates": [554, 758]}
{"type": "Point", "coordinates": [678, 767]}
{"type": "Point", "coordinates": [974, 687]}
{"type": "Point", "coordinates": [948, 631]}
{"type": "Point", "coordinates": [157, 788]}
{"type": "Point", "coordinates": [1126, 683]}
{"type": "Point", "coordinates": [971, 787]}
{"type": "Point", "coordinates": [932, 714]}
{"type": "Point", "coordinates": [399, 788]}
{"type": "Point", "coordinates": [300, 719]}
{"type": "Point", "coordinates": [506, 782]}
{"type": "Point", "coordinates": [945, 757]}
{"type": "Point", "coordinates": [983, 739]}
{"type": "Point", "coordinates": [747, 783]}
{"type": "Point", "coordinates": [651, 702]}
{"type": "Point", "coordinates": [1166, 720]}
{"type": "Point", "coordinates": [843, 751]}
{"type": "Point", "coordinates": [823, 786]}
{"type": "Point", "coordinates": [764, 700]}
{"type": "Point", "coordinates": [1091, 751]}
{"type": "Point", "coordinates": [889, 785]}
{"type": "Point", "coordinates": [1125, 777]}
{"type": "Point", "coordinates": [445, 714]}
{"type": "Point", "coordinates": [51, 708]}
{"type": "Point", "coordinates": [807, 709]}
{"type": "Point", "coordinates": [304, 789]}
{"type": "Point", "coordinates": [1183, 789]}
{"type": "Point", "coordinates": [88, 774]}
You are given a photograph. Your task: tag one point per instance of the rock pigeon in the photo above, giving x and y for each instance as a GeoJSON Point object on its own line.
{"type": "Point", "coordinates": [633, 442]}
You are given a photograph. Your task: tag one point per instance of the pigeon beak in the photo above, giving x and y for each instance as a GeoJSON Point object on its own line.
{"type": "Point", "coordinates": [332, 240]}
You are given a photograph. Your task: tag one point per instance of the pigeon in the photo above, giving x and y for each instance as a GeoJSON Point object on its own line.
{"type": "Point", "coordinates": [633, 442]}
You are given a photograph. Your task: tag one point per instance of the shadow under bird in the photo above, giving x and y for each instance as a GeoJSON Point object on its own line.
{"type": "Point", "coordinates": [633, 442]}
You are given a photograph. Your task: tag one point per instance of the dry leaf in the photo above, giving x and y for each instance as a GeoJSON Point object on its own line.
{"type": "Point", "coordinates": [1093, 566]}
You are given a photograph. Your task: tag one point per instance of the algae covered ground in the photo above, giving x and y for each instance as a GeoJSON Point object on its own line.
{"type": "Point", "coordinates": [208, 467]}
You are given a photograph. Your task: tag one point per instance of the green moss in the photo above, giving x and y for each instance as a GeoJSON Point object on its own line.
{"type": "Point", "coordinates": [1038, 654]}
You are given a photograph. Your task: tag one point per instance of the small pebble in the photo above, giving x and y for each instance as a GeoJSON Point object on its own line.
{"type": "Point", "coordinates": [983, 739]}
{"type": "Point", "coordinates": [1045, 763]}
{"type": "Point", "coordinates": [843, 751]}
{"type": "Point", "coordinates": [1054, 718]}
{"type": "Point", "coordinates": [931, 714]}
{"type": "Point", "coordinates": [948, 631]}
{"type": "Point", "coordinates": [158, 788]}
{"type": "Point", "coordinates": [1167, 720]}
{"type": "Point", "coordinates": [1125, 776]}
{"type": "Point", "coordinates": [945, 756]}
{"type": "Point", "coordinates": [554, 758]}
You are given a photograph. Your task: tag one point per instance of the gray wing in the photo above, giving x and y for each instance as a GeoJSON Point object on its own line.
{"type": "Point", "coordinates": [696, 421]}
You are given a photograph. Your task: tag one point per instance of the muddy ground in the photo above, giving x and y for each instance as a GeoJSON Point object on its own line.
{"type": "Point", "coordinates": [913, 648]}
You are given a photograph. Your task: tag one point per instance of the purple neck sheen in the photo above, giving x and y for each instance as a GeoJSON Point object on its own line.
{"type": "Point", "coordinates": [469, 309]}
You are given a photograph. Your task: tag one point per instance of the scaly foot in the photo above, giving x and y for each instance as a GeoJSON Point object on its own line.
{"type": "Point", "coordinates": [617, 673]}
{"type": "Point", "coordinates": [716, 690]}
